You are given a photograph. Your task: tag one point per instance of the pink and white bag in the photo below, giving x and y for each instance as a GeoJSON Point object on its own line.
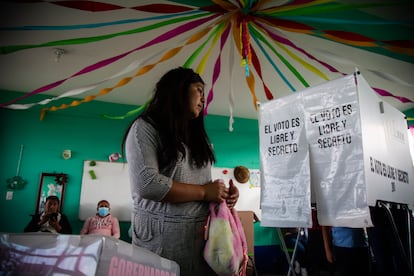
{"type": "Point", "coordinates": [226, 247]}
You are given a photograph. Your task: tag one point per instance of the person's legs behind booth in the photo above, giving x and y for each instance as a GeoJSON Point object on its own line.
{"type": "Point", "coordinates": [386, 242]}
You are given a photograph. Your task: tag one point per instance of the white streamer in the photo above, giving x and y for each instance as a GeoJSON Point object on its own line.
{"type": "Point", "coordinates": [78, 91]}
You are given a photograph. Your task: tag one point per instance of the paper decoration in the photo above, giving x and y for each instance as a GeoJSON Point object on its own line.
{"type": "Point", "coordinates": [67, 154]}
{"type": "Point", "coordinates": [255, 25]}
{"type": "Point", "coordinates": [114, 156]}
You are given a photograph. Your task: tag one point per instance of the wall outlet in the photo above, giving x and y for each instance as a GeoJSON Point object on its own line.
{"type": "Point", "coordinates": [9, 195]}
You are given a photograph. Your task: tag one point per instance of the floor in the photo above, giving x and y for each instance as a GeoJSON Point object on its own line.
{"type": "Point", "coordinates": [291, 274]}
{"type": "Point", "coordinates": [323, 273]}
{"type": "Point", "coordinates": [284, 272]}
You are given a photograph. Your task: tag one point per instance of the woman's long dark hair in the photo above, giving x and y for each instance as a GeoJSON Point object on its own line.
{"type": "Point", "coordinates": [168, 112]}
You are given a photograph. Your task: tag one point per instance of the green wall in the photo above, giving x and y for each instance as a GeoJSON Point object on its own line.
{"type": "Point", "coordinates": [410, 114]}
{"type": "Point", "coordinates": [90, 136]}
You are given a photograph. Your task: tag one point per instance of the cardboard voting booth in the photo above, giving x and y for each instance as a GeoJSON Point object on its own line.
{"type": "Point", "coordinates": [336, 144]}
{"type": "Point", "coordinates": [50, 254]}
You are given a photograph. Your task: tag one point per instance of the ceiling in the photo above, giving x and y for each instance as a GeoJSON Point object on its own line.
{"type": "Point", "coordinates": [115, 51]}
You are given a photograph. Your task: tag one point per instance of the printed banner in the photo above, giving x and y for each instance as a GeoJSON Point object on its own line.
{"type": "Point", "coordinates": [284, 157]}
{"type": "Point", "coordinates": [311, 145]}
{"type": "Point", "coordinates": [334, 135]}
{"type": "Point", "coordinates": [388, 163]}
{"type": "Point", "coordinates": [50, 254]}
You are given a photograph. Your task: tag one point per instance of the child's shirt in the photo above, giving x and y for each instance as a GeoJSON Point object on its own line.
{"type": "Point", "coordinates": [349, 237]}
{"type": "Point", "coordinates": [108, 226]}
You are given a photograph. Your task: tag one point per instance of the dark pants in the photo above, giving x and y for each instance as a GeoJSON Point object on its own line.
{"type": "Point", "coordinates": [316, 262]}
{"type": "Point", "coordinates": [354, 261]}
{"type": "Point", "coordinates": [390, 258]}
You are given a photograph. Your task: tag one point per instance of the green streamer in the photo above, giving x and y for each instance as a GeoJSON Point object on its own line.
{"type": "Point", "coordinates": [188, 63]}
{"type": "Point", "coordinates": [325, 8]}
{"type": "Point", "coordinates": [13, 48]}
{"type": "Point", "coordinates": [129, 113]}
{"type": "Point", "coordinates": [288, 65]}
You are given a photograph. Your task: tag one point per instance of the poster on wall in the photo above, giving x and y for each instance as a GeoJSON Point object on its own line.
{"type": "Point", "coordinates": [284, 158]}
{"type": "Point", "coordinates": [105, 180]}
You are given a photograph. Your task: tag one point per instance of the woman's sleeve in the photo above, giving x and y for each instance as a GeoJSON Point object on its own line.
{"type": "Point", "coordinates": [144, 172]}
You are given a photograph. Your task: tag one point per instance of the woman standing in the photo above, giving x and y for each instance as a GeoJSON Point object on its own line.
{"type": "Point", "coordinates": [170, 156]}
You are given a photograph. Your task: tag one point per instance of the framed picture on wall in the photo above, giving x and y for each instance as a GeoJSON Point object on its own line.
{"type": "Point", "coordinates": [50, 184]}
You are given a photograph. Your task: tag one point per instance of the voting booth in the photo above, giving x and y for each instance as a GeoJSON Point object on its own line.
{"type": "Point", "coordinates": [339, 146]}
{"type": "Point", "coordinates": [336, 144]}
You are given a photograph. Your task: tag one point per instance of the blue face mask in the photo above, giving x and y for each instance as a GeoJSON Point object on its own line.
{"type": "Point", "coordinates": [103, 211]}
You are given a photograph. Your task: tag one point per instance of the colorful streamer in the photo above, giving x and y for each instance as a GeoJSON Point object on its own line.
{"type": "Point", "coordinates": [95, 25]}
{"type": "Point", "coordinates": [196, 37]}
{"type": "Point", "coordinates": [217, 67]}
{"type": "Point", "coordinates": [78, 91]}
{"type": "Point", "coordinates": [305, 64]}
{"type": "Point", "coordinates": [94, 6]}
{"type": "Point", "coordinates": [249, 78]}
{"type": "Point", "coordinates": [121, 83]}
{"type": "Point", "coordinates": [14, 48]}
{"type": "Point", "coordinates": [249, 21]}
{"type": "Point", "coordinates": [301, 50]}
{"type": "Point", "coordinates": [166, 36]}
{"type": "Point", "coordinates": [257, 67]}
{"type": "Point", "coordinates": [130, 113]}
{"type": "Point", "coordinates": [231, 92]}
{"type": "Point", "coordinates": [282, 59]}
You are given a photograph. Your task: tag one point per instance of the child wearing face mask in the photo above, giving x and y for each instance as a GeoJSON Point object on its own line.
{"type": "Point", "coordinates": [102, 223]}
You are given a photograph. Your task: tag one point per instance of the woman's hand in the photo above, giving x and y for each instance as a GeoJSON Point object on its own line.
{"type": "Point", "coordinates": [216, 191]}
{"type": "Point", "coordinates": [233, 195]}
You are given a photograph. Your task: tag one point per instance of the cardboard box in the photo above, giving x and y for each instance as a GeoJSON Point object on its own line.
{"type": "Point", "coordinates": [247, 219]}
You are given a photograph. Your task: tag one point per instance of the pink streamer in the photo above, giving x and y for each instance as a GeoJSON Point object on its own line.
{"type": "Point", "coordinates": [291, 44]}
{"type": "Point", "coordinates": [285, 41]}
{"type": "Point", "coordinates": [217, 67]}
{"type": "Point", "coordinates": [385, 93]}
{"type": "Point", "coordinates": [168, 35]}
{"type": "Point", "coordinates": [245, 41]}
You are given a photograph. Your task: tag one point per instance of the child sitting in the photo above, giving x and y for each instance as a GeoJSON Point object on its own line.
{"type": "Point", "coordinates": [102, 223]}
{"type": "Point", "coordinates": [51, 220]}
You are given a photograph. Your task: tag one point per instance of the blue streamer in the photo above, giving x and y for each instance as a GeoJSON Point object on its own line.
{"type": "Point", "coordinates": [344, 21]}
{"type": "Point", "coordinates": [96, 25]}
{"type": "Point", "coordinates": [273, 64]}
